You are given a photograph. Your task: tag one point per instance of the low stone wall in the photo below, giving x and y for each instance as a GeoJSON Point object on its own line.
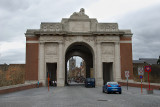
{"type": "Point", "coordinates": [152, 86]}
{"type": "Point", "coordinates": [154, 75]}
{"type": "Point", "coordinates": [18, 88]}
{"type": "Point", "coordinates": [12, 74]}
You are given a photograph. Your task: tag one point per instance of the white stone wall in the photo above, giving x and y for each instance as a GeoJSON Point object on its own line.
{"type": "Point", "coordinates": [104, 49]}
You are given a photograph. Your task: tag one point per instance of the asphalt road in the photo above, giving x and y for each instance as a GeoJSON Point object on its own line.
{"type": "Point", "coordinates": [79, 96]}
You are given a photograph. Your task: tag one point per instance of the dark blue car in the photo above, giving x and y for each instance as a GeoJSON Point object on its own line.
{"type": "Point", "coordinates": [90, 82]}
{"type": "Point", "coordinates": [111, 87]}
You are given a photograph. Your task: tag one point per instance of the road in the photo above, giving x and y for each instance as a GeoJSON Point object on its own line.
{"type": "Point", "coordinates": [79, 96]}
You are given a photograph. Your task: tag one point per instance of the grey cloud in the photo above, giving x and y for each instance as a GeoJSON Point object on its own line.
{"type": "Point", "coordinates": [28, 14]}
{"type": "Point", "coordinates": [19, 15]}
{"type": "Point", "coordinates": [12, 57]}
{"type": "Point", "coordinates": [146, 29]}
{"type": "Point", "coordinates": [14, 5]}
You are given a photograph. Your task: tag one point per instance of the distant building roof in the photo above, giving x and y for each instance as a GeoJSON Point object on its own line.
{"type": "Point", "coordinates": [3, 64]}
{"type": "Point", "coordinates": [138, 61]}
{"type": "Point", "coordinates": [146, 60]}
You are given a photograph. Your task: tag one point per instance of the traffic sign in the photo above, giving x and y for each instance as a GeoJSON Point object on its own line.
{"type": "Point", "coordinates": [141, 76]}
{"type": "Point", "coordinates": [141, 70]}
{"type": "Point", "coordinates": [126, 74]}
{"type": "Point", "coordinates": [147, 68]}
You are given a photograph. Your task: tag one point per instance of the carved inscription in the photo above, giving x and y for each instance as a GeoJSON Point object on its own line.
{"type": "Point", "coordinates": [79, 26]}
{"type": "Point", "coordinates": [51, 38]}
{"type": "Point", "coordinates": [107, 27]}
{"type": "Point", "coordinates": [51, 27]}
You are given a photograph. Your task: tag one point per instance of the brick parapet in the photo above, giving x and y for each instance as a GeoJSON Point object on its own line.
{"type": "Point", "coordinates": [139, 85]}
{"type": "Point", "coordinates": [123, 38]}
{"type": "Point", "coordinates": [32, 38]}
{"type": "Point", "coordinates": [19, 88]}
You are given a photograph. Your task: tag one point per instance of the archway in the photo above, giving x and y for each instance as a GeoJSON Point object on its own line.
{"type": "Point", "coordinates": [85, 52]}
{"type": "Point", "coordinates": [76, 71]}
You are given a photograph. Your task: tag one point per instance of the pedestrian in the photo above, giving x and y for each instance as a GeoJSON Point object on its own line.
{"type": "Point", "coordinates": [38, 84]}
{"type": "Point", "coordinates": [55, 83]}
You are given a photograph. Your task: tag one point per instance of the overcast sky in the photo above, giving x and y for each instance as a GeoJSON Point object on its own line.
{"type": "Point", "coordinates": [141, 16]}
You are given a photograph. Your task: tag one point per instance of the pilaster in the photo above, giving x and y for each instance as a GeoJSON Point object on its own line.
{"type": "Point", "coordinates": [99, 81]}
{"type": "Point", "coordinates": [117, 62]}
{"type": "Point", "coordinates": [61, 70]}
{"type": "Point", "coordinates": [41, 74]}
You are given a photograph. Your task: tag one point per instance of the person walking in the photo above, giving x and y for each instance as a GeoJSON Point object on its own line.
{"type": "Point", "coordinates": [38, 84]}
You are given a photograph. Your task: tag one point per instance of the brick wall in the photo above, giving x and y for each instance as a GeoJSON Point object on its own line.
{"type": "Point", "coordinates": [154, 75]}
{"type": "Point", "coordinates": [12, 74]}
{"type": "Point", "coordinates": [32, 50]}
{"type": "Point", "coordinates": [126, 57]}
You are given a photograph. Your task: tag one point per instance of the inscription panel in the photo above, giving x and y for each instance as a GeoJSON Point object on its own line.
{"type": "Point", "coordinates": [107, 27]}
{"type": "Point", "coordinates": [51, 58]}
{"type": "Point", "coordinates": [51, 38]}
{"type": "Point", "coordinates": [51, 27]}
{"type": "Point", "coordinates": [79, 26]}
{"type": "Point", "coordinates": [108, 49]}
{"type": "Point", "coordinates": [51, 48]}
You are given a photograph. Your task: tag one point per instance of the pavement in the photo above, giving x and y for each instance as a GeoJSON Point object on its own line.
{"type": "Point", "coordinates": [79, 96]}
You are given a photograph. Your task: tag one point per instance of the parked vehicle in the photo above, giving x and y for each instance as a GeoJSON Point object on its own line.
{"type": "Point", "coordinates": [90, 82]}
{"type": "Point", "coordinates": [111, 87]}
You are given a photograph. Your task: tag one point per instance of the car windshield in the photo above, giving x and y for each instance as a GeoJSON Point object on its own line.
{"type": "Point", "coordinates": [88, 79]}
{"type": "Point", "coordinates": [92, 79]}
{"type": "Point", "coordinates": [112, 83]}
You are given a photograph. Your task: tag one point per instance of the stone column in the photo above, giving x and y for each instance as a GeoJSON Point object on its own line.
{"type": "Point", "coordinates": [117, 62]}
{"type": "Point", "coordinates": [99, 66]}
{"type": "Point", "coordinates": [41, 71]}
{"type": "Point", "coordinates": [61, 70]}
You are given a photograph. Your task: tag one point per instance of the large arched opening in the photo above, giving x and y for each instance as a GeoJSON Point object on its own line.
{"type": "Point", "coordinates": [84, 51]}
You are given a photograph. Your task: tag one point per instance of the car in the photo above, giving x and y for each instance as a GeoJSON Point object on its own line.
{"type": "Point", "coordinates": [112, 87]}
{"type": "Point", "coordinates": [90, 82]}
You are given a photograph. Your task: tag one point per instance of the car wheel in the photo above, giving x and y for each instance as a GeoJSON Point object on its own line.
{"type": "Point", "coordinates": [102, 90]}
{"type": "Point", "coordinates": [107, 92]}
{"type": "Point", "coordinates": [120, 92]}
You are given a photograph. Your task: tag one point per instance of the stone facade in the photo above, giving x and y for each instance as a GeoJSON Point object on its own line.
{"type": "Point", "coordinates": [51, 42]}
